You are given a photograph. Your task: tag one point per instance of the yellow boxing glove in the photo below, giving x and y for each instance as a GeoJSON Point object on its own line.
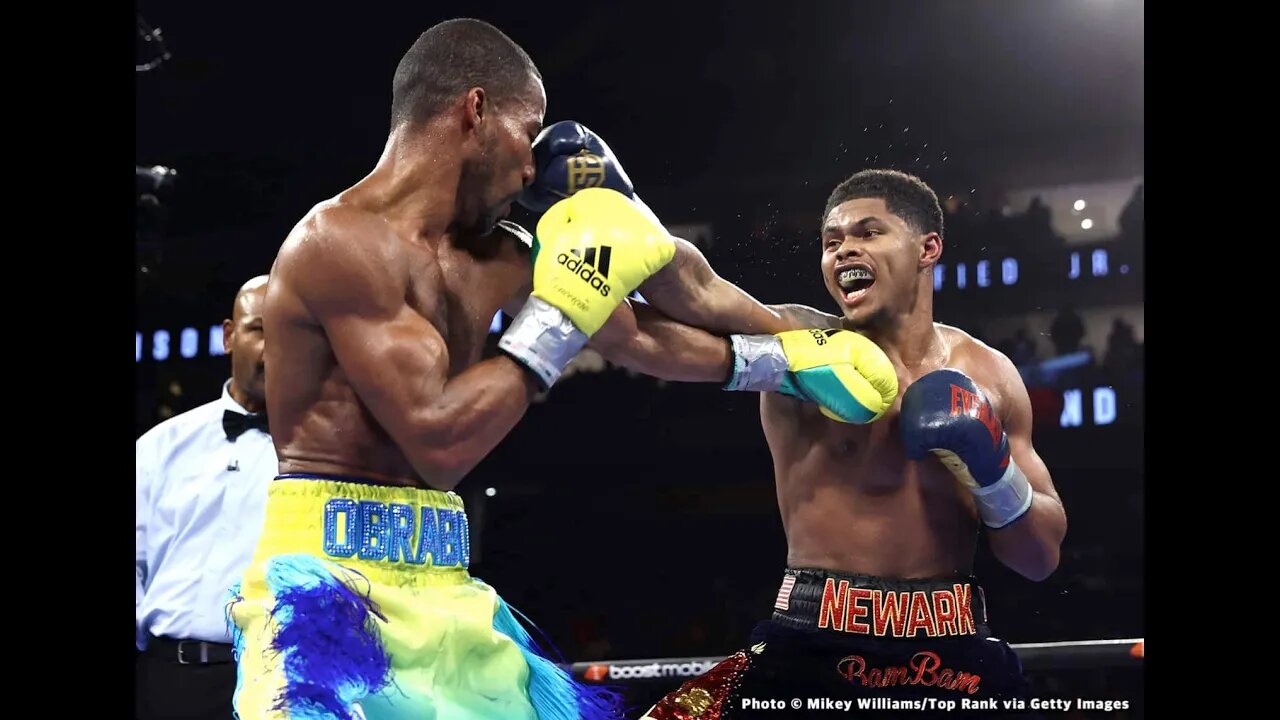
{"type": "Point", "coordinates": [846, 375]}
{"type": "Point", "coordinates": [590, 252]}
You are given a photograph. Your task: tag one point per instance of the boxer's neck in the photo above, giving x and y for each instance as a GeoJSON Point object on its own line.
{"type": "Point", "coordinates": [910, 337]}
{"type": "Point", "coordinates": [415, 183]}
{"type": "Point", "coordinates": [913, 341]}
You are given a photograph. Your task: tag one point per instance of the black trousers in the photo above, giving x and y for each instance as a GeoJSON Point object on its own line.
{"type": "Point", "coordinates": [165, 689]}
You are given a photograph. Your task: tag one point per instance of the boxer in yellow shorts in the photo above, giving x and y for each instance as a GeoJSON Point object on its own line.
{"type": "Point", "coordinates": [380, 401]}
{"type": "Point", "coordinates": [359, 596]}
{"type": "Point", "coordinates": [380, 398]}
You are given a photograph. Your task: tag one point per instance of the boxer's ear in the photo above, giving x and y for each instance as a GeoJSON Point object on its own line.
{"type": "Point", "coordinates": [228, 329]}
{"type": "Point", "coordinates": [475, 107]}
{"type": "Point", "coordinates": [930, 250]}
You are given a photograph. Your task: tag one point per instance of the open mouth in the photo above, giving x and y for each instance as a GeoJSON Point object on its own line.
{"type": "Point", "coordinates": [855, 280]}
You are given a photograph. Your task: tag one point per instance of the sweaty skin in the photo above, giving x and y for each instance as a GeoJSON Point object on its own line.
{"type": "Point", "coordinates": [363, 393]}
{"type": "Point", "coordinates": [411, 319]}
{"type": "Point", "coordinates": [379, 302]}
{"type": "Point", "coordinates": [390, 386]}
{"type": "Point", "coordinates": [850, 499]}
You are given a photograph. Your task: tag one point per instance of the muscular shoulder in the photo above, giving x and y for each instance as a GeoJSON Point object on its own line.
{"type": "Point", "coordinates": [973, 352]}
{"type": "Point", "coordinates": [990, 368]}
{"type": "Point", "coordinates": [339, 234]}
{"type": "Point", "coordinates": [337, 250]}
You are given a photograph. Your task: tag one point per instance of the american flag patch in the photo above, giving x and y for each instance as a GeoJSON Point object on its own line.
{"type": "Point", "coordinates": [784, 593]}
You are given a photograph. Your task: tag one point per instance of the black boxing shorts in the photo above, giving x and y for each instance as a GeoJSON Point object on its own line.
{"type": "Point", "coordinates": [854, 644]}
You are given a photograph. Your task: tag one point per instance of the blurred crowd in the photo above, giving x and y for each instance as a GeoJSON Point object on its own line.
{"type": "Point", "coordinates": [996, 230]}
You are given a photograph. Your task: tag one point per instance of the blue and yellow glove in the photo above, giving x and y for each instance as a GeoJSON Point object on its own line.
{"type": "Point", "coordinates": [946, 413]}
{"type": "Point", "coordinates": [568, 157]}
{"type": "Point", "coordinates": [590, 252]}
{"type": "Point", "coordinates": [846, 375]}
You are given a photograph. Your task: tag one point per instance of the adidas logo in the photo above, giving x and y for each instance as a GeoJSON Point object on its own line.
{"type": "Point", "coordinates": [591, 265]}
{"type": "Point", "coordinates": [820, 336]}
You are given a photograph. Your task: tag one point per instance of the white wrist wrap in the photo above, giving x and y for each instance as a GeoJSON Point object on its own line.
{"type": "Point", "coordinates": [1006, 500]}
{"type": "Point", "coordinates": [758, 363]}
{"type": "Point", "coordinates": [543, 339]}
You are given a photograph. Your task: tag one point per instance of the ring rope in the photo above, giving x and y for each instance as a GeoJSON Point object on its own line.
{"type": "Point", "coordinates": [1122, 652]}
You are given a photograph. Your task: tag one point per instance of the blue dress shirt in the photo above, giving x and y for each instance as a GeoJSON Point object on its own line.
{"type": "Point", "coordinates": [201, 503]}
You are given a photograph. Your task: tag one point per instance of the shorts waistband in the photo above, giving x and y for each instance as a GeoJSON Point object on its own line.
{"type": "Point", "coordinates": [822, 600]}
{"type": "Point", "coordinates": [365, 525]}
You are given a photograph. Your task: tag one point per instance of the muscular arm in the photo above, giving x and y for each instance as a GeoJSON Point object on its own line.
{"type": "Point", "coordinates": [677, 336]}
{"type": "Point", "coordinates": [352, 278]}
{"type": "Point", "coordinates": [1029, 545]}
{"type": "Point", "coordinates": [687, 289]}
{"type": "Point", "coordinates": [799, 317]}
{"type": "Point", "coordinates": [642, 339]}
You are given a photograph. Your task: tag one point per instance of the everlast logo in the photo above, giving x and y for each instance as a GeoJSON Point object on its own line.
{"type": "Point", "coordinates": [964, 402]}
{"type": "Point", "coordinates": [902, 614]}
{"type": "Point", "coordinates": [590, 267]}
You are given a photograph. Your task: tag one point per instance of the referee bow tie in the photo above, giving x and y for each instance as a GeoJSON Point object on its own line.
{"type": "Point", "coordinates": [235, 424]}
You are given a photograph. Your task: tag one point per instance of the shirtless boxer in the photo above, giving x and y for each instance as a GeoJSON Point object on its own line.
{"type": "Point", "coordinates": [358, 602]}
{"type": "Point", "coordinates": [882, 520]}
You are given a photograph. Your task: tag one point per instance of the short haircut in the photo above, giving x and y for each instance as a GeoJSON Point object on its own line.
{"type": "Point", "coordinates": [449, 59]}
{"type": "Point", "coordinates": [906, 196]}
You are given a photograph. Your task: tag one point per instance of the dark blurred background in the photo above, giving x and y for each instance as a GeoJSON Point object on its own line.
{"type": "Point", "coordinates": [660, 536]}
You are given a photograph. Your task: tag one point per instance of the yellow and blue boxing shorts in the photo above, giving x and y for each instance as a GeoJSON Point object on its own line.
{"type": "Point", "coordinates": [359, 604]}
